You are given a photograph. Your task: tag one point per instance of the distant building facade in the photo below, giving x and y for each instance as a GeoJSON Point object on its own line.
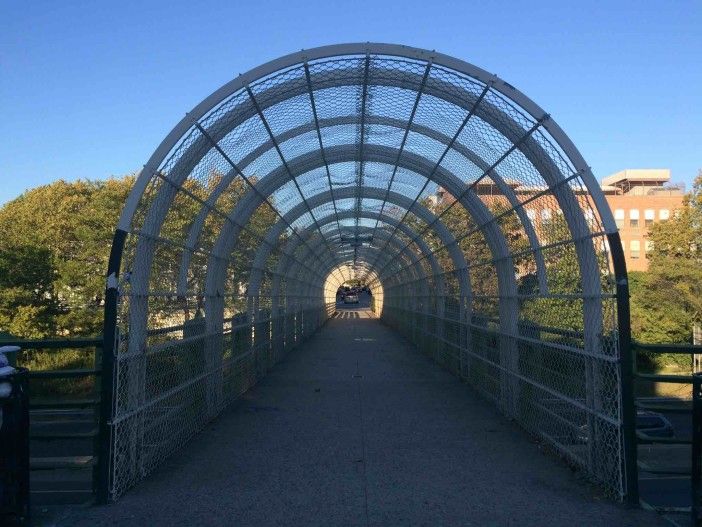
{"type": "Point", "coordinates": [638, 199]}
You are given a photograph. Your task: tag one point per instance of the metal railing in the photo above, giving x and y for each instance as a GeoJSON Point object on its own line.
{"type": "Point", "coordinates": [545, 388]}
{"type": "Point", "coordinates": [249, 345]}
{"type": "Point", "coordinates": [49, 403]}
{"type": "Point", "coordinates": [65, 415]}
{"type": "Point", "coordinates": [690, 407]}
{"type": "Point", "coordinates": [696, 476]}
{"type": "Point", "coordinates": [14, 454]}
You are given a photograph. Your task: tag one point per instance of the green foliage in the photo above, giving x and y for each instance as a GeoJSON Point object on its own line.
{"type": "Point", "coordinates": [53, 255]}
{"type": "Point", "coordinates": [476, 249]}
{"type": "Point", "coordinates": [56, 242]}
{"type": "Point", "coordinates": [562, 278]}
{"type": "Point", "coordinates": [666, 301]}
{"type": "Point", "coordinates": [74, 388]}
{"type": "Point", "coordinates": [27, 301]}
{"type": "Point", "coordinates": [54, 249]}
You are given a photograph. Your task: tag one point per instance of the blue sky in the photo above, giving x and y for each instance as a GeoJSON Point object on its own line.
{"type": "Point", "coordinates": [89, 89]}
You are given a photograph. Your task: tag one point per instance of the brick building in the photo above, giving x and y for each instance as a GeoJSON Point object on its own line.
{"type": "Point", "coordinates": [638, 199]}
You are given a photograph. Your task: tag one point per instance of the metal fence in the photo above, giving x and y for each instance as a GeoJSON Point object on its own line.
{"type": "Point", "coordinates": [675, 456]}
{"type": "Point", "coordinates": [180, 387]}
{"type": "Point", "coordinates": [479, 228]}
{"type": "Point", "coordinates": [65, 417]}
{"type": "Point", "coordinates": [546, 386]}
{"type": "Point", "coordinates": [14, 455]}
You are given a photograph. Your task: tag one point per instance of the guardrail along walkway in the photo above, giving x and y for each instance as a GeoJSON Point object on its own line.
{"type": "Point", "coordinates": [357, 428]}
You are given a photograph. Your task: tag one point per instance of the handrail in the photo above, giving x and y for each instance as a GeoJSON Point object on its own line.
{"type": "Point", "coordinates": [696, 477]}
{"type": "Point", "coordinates": [683, 349]}
{"type": "Point", "coordinates": [695, 411]}
{"type": "Point", "coordinates": [14, 454]}
{"type": "Point", "coordinates": [57, 345]}
{"type": "Point", "coordinates": [88, 342]}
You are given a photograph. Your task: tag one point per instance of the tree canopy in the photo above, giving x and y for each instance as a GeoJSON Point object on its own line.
{"type": "Point", "coordinates": [53, 255]}
{"type": "Point", "coordinates": [56, 243]}
{"type": "Point", "coordinates": [666, 301]}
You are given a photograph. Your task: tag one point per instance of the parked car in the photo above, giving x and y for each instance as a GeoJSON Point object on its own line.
{"type": "Point", "coordinates": [351, 298]}
{"type": "Point", "coordinates": [651, 424]}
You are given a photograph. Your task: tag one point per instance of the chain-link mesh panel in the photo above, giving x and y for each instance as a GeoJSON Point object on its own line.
{"type": "Point", "coordinates": [472, 219]}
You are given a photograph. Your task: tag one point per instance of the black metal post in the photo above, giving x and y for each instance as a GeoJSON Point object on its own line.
{"type": "Point", "coordinates": [14, 451]}
{"type": "Point", "coordinates": [695, 482]}
{"type": "Point", "coordinates": [109, 349]}
{"type": "Point", "coordinates": [627, 363]}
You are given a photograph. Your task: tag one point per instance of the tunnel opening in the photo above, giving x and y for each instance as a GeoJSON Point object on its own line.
{"type": "Point", "coordinates": [344, 281]}
{"type": "Point", "coordinates": [472, 218]}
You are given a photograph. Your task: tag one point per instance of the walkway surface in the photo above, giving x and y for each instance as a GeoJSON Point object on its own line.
{"type": "Point", "coordinates": [358, 428]}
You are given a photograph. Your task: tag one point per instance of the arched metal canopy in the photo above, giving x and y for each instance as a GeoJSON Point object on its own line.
{"type": "Point", "coordinates": [462, 204]}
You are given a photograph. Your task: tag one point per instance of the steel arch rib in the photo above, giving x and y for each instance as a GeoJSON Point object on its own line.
{"type": "Point", "coordinates": [431, 133]}
{"type": "Point", "coordinates": [269, 184]}
{"type": "Point", "coordinates": [341, 50]}
{"type": "Point", "coordinates": [413, 267]}
{"type": "Point", "coordinates": [292, 245]}
{"type": "Point", "coordinates": [508, 130]}
{"type": "Point", "coordinates": [418, 210]}
{"type": "Point", "coordinates": [556, 161]}
{"type": "Point", "coordinates": [530, 148]}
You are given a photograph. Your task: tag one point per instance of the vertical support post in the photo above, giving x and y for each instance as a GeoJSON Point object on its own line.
{"type": "Point", "coordinates": [14, 454]}
{"type": "Point", "coordinates": [109, 350]}
{"type": "Point", "coordinates": [696, 478]}
{"type": "Point", "coordinates": [627, 363]}
{"type": "Point", "coordinates": [697, 341]}
{"type": "Point", "coordinates": [23, 458]}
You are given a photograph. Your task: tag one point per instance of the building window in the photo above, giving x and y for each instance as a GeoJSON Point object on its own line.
{"type": "Point", "coordinates": [664, 214]}
{"type": "Point", "coordinates": [531, 214]}
{"type": "Point", "coordinates": [545, 216]}
{"type": "Point", "coordinates": [619, 218]}
{"type": "Point", "coordinates": [649, 216]}
{"type": "Point", "coordinates": [635, 249]}
{"type": "Point", "coordinates": [634, 218]}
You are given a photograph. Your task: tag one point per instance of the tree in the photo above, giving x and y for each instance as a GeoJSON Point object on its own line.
{"type": "Point", "coordinates": [28, 305]}
{"type": "Point", "coordinates": [473, 244]}
{"type": "Point", "coordinates": [53, 255]}
{"type": "Point", "coordinates": [563, 278]}
{"type": "Point", "coordinates": [56, 243]}
{"type": "Point", "coordinates": [667, 300]}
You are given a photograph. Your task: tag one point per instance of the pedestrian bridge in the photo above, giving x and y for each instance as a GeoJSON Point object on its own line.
{"type": "Point", "coordinates": [487, 246]}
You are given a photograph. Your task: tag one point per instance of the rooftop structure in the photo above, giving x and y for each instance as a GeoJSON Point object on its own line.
{"type": "Point", "coordinates": [638, 199]}
{"type": "Point", "coordinates": [640, 182]}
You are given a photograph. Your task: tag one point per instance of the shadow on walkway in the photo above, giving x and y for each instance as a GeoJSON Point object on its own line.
{"type": "Point", "coordinates": [357, 428]}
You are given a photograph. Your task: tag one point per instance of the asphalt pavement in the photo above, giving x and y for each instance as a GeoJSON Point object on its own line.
{"type": "Point", "coordinates": [358, 428]}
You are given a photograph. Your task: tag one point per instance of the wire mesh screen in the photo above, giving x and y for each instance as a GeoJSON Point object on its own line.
{"type": "Point", "coordinates": [473, 220]}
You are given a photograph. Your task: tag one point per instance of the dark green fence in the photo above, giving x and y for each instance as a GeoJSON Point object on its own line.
{"type": "Point", "coordinates": [65, 395]}
{"type": "Point", "coordinates": [667, 459]}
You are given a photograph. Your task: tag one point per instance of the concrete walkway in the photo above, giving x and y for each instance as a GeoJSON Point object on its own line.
{"type": "Point", "coordinates": [357, 428]}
